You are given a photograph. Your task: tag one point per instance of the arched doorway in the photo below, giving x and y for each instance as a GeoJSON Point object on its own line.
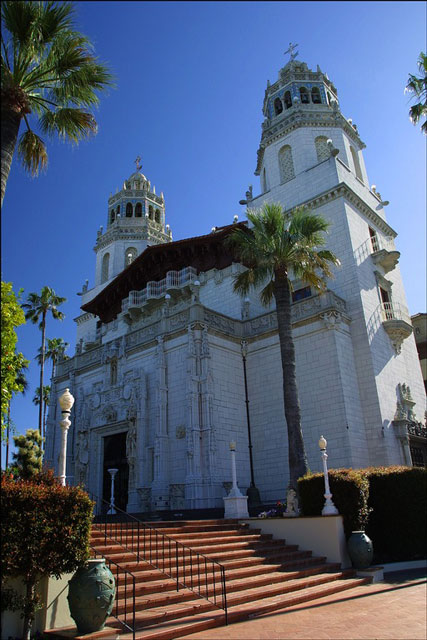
{"type": "Point", "coordinates": [115, 458]}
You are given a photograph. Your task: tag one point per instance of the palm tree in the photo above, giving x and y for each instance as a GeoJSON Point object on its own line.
{"type": "Point", "coordinates": [277, 248]}
{"type": "Point", "coordinates": [38, 307]}
{"type": "Point", "coordinates": [417, 85]}
{"type": "Point", "coordinates": [23, 383]}
{"type": "Point", "coordinates": [36, 401]}
{"type": "Point", "coordinates": [48, 71]}
{"type": "Point", "coordinates": [55, 351]}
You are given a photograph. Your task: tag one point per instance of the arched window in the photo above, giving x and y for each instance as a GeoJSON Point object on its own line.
{"type": "Point", "coordinates": [264, 181]}
{"type": "Point", "coordinates": [138, 210]}
{"type": "Point", "coordinates": [129, 210]}
{"type": "Point", "coordinates": [356, 163]}
{"type": "Point", "coordinates": [286, 164]}
{"type": "Point", "coordinates": [315, 95]}
{"type": "Point", "coordinates": [288, 100]}
{"type": "Point", "coordinates": [113, 371]}
{"type": "Point", "coordinates": [130, 255]}
{"type": "Point", "coordinates": [157, 216]}
{"type": "Point", "coordinates": [112, 216]}
{"type": "Point", "coordinates": [278, 106]}
{"type": "Point", "coordinates": [118, 210]}
{"type": "Point", "coordinates": [105, 267]}
{"type": "Point", "coordinates": [322, 149]}
{"type": "Point", "coordinates": [304, 95]}
{"type": "Point", "coordinates": [150, 212]}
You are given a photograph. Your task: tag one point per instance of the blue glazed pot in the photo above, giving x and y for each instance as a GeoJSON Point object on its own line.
{"type": "Point", "coordinates": [360, 550]}
{"type": "Point", "coordinates": [92, 591]}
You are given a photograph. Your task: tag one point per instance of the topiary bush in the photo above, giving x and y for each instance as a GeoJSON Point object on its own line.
{"type": "Point", "coordinates": [350, 491]}
{"type": "Point", "coordinates": [45, 531]}
{"type": "Point", "coordinates": [398, 522]}
{"type": "Point", "coordinates": [389, 503]}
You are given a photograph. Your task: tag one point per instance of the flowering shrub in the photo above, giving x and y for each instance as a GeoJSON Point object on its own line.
{"type": "Point", "coordinates": [276, 512]}
{"type": "Point", "coordinates": [45, 531]}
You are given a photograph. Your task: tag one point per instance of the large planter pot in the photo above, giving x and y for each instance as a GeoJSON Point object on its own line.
{"type": "Point", "coordinates": [92, 591]}
{"type": "Point", "coordinates": [360, 549]}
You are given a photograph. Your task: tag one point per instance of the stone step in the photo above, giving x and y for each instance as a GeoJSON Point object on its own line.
{"type": "Point", "coordinates": [197, 541]}
{"type": "Point", "coordinates": [168, 630]}
{"type": "Point", "coordinates": [233, 584]}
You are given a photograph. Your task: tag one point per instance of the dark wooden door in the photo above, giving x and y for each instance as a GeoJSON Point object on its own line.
{"type": "Point", "coordinates": [115, 458]}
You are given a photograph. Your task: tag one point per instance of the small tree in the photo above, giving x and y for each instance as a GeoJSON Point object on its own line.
{"type": "Point", "coordinates": [12, 362]}
{"type": "Point", "coordinates": [29, 458]}
{"type": "Point", "coordinates": [45, 532]}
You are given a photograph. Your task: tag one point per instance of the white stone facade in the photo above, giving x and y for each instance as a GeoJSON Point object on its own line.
{"type": "Point", "coordinates": [168, 370]}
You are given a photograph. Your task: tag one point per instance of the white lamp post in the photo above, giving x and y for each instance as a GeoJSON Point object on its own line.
{"type": "Point", "coordinates": [235, 504]}
{"type": "Point", "coordinates": [329, 509]}
{"type": "Point", "coordinates": [66, 402]}
{"type": "Point", "coordinates": [112, 511]}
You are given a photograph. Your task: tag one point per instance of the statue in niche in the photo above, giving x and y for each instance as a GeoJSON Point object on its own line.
{"type": "Point", "coordinates": [82, 457]}
{"type": "Point", "coordinates": [131, 451]}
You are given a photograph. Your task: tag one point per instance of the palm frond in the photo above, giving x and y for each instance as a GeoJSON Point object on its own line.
{"type": "Point", "coordinates": [32, 152]}
{"type": "Point", "coordinates": [70, 124]}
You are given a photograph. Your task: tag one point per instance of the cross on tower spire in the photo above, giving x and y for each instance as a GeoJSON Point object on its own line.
{"type": "Point", "coordinates": [137, 161]}
{"type": "Point", "coordinates": [291, 50]}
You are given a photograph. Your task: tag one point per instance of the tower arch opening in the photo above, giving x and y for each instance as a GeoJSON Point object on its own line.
{"type": "Point", "coordinates": [129, 210]}
{"type": "Point", "coordinates": [304, 95]}
{"type": "Point", "coordinates": [286, 164]}
{"type": "Point", "coordinates": [278, 106]}
{"type": "Point", "coordinates": [105, 267]}
{"type": "Point", "coordinates": [138, 210]}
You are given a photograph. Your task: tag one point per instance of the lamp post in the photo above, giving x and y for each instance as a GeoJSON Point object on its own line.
{"type": "Point", "coordinates": [66, 402]}
{"type": "Point", "coordinates": [252, 491]}
{"type": "Point", "coordinates": [112, 511]}
{"type": "Point", "coordinates": [329, 509]}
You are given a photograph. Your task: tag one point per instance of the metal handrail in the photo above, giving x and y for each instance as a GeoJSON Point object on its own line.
{"type": "Point", "coordinates": [176, 552]}
{"type": "Point", "coordinates": [130, 627]}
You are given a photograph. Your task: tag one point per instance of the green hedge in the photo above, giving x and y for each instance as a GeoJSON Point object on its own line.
{"type": "Point", "coordinates": [389, 503]}
{"type": "Point", "coordinates": [45, 531]}
{"type": "Point", "coordinates": [350, 491]}
{"type": "Point", "coordinates": [398, 521]}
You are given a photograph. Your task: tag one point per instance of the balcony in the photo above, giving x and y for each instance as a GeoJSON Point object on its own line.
{"type": "Point", "coordinates": [174, 281]}
{"type": "Point", "coordinates": [397, 323]}
{"type": "Point", "coordinates": [384, 252]}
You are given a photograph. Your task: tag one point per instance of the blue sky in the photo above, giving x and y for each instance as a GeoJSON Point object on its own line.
{"type": "Point", "coordinates": [191, 78]}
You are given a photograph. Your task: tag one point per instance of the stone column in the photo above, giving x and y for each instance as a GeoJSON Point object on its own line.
{"type": "Point", "coordinates": [160, 487]}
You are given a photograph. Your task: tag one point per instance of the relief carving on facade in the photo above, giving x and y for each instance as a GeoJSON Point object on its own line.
{"type": "Point", "coordinates": [81, 458]}
{"type": "Point", "coordinates": [177, 496]}
{"type": "Point", "coordinates": [331, 319]}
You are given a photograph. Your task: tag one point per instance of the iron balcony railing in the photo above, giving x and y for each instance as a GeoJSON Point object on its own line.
{"type": "Point", "coordinates": [394, 311]}
{"type": "Point", "coordinates": [187, 567]}
{"type": "Point", "coordinates": [379, 243]}
{"type": "Point", "coordinates": [173, 280]}
{"type": "Point", "coordinates": [125, 590]}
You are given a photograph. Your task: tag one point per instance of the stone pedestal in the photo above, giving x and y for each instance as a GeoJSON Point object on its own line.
{"type": "Point", "coordinates": [236, 507]}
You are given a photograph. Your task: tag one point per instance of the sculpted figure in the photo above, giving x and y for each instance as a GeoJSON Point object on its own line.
{"type": "Point", "coordinates": [82, 457]}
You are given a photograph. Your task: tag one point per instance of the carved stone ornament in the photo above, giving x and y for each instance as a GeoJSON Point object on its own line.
{"type": "Point", "coordinates": [180, 432]}
{"type": "Point", "coordinates": [331, 319]}
{"type": "Point", "coordinates": [96, 401]}
{"type": "Point", "coordinates": [109, 414]}
{"type": "Point", "coordinates": [127, 390]}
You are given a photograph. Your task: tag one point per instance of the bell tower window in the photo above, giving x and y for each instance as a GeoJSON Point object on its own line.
{"type": "Point", "coordinates": [105, 267]}
{"type": "Point", "coordinates": [322, 150]}
{"type": "Point", "coordinates": [118, 210]}
{"type": "Point", "coordinates": [315, 95]}
{"type": "Point", "coordinates": [288, 100]}
{"type": "Point", "coordinates": [286, 164]}
{"type": "Point", "coordinates": [356, 163]}
{"type": "Point", "coordinates": [138, 210]}
{"type": "Point", "coordinates": [129, 210]}
{"type": "Point", "coordinates": [304, 95]}
{"type": "Point", "coordinates": [150, 212]}
{"type": "Point", "coordinates": [157, 215]}
{"type": "Point", "coordinates": [112, 216]}
{"type": "Point", "coordinates": [278, 106]}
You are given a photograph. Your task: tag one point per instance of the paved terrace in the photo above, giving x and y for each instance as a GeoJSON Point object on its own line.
{"type": "Point", "coordinates": [391, 610]}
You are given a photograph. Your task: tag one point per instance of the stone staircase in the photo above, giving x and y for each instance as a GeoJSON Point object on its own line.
{"type": "Point", "coordinates": [261, 575]}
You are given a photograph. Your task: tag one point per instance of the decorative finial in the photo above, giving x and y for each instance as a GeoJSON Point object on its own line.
{"type": "Point", "coordinates": [291, 50]}
{"type": "Point", "coordinates": [137, 161]}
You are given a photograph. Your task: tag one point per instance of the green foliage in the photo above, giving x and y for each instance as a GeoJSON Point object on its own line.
{"type": "Point", "coordinates": [389, 503]}
{"type": "Point", "coordinates": [398, 523]}
{"type": "Point", "coordinates": [45, 532]}
{"type": "Point", "coordinates": [12, 363]}
{"type": "Point", "coordinates": [29, 457]}
{"type": "Point", "coordinates": [350, 490]}
{"type": "Point", "coordinates": [49, 75]}
{"type": "Point", "coordinates": [417, 86]}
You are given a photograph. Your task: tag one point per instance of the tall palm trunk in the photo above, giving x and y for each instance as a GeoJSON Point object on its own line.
{"type": "Point", "coordinates": [44, 424]}
{"type": "Point", "coordinates": [10, 122]}
{"type": "Point", "coordinates": [43, 328]}
{"type": "Point", "coordinates": [7, 435]}
{"type": "Point", "coordinates": [297, 455]}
